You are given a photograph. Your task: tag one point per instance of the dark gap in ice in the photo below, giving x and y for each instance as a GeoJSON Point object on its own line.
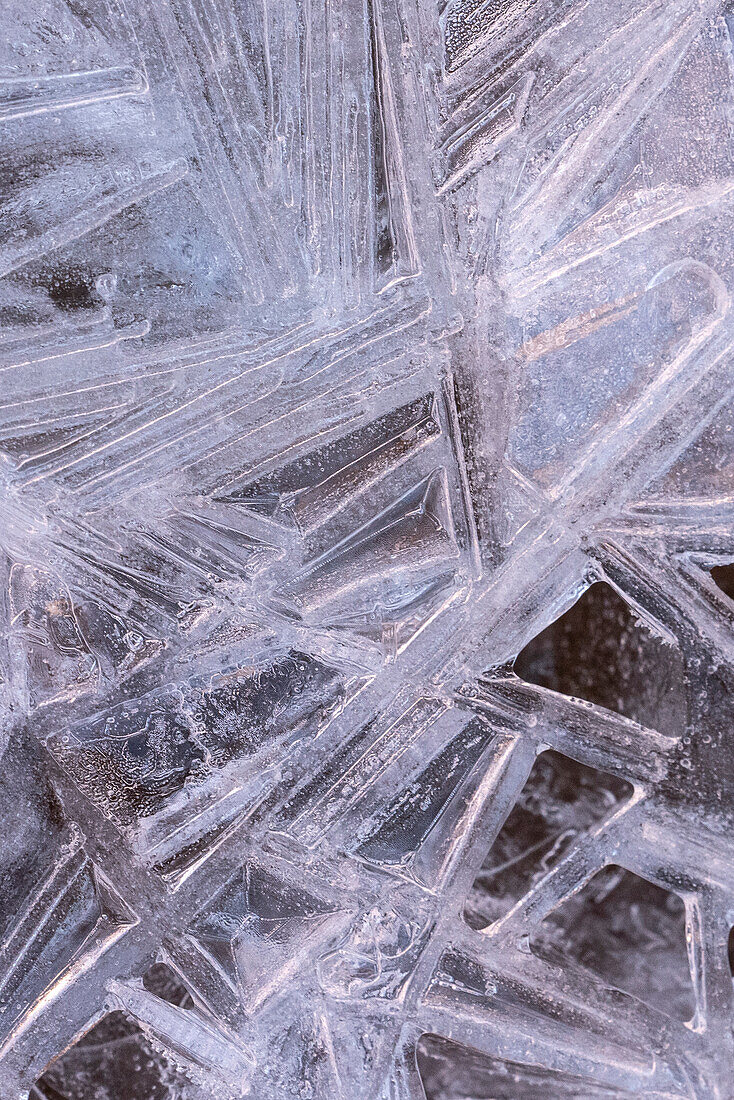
{"type": "Point", "coordinates": [628, 932]}
{"type": "Point", "coordinates": [561, 800]}
{"type": "Point", "coordinates": [70, 289]}
{"type": "Point", "coordinates": [597, 651]}
{"type": "Point", "coordinates": [160, 980]}
{"type": "Point", "coordinates": [451, 1071]}
{"type": "Point", "coordinates": [723, 577]}
{"type": "Point", "coordinates": [117, 1053]}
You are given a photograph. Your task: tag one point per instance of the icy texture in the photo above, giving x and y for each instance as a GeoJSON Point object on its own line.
{"type": "Point", "coordinates": [366, 536]}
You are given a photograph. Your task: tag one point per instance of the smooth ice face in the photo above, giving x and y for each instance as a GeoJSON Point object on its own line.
{"type": "Point", "coordinates": [366, 549]}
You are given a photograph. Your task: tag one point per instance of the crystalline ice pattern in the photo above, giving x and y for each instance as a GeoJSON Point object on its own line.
{"type": "Point", "coordinates": [366, 537]}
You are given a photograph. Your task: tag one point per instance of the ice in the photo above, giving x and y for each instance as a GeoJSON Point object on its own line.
{"type": "Point", "coordinates": [366, 549]}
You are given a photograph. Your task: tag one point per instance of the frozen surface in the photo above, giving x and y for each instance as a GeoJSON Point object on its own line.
{"type": "Point", "coordinates": [366, 539]}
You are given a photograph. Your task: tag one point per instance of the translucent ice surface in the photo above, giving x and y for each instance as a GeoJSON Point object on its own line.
{"type": "Point", "coordinates": [366, 549]}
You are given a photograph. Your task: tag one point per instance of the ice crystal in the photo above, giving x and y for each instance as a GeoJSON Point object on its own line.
{"type": "Point", "coordinates": [366, 536]}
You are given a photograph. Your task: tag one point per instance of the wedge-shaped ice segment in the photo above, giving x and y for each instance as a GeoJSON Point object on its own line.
{"type": "Point", "coordinates": [256, 928]}
{"type": "Point", "coordinates": [356, 770]}
{"type": "Point", "coordinates": [398, 833]}
{"type": "Point", "coordinates": [25, 96]}
{"type": "Point", "coordinates": [470, 24]}
{"type": "Point", "coordinates": [288, 696]}
{"type": "Point", "coordinates": [66, 925]}
{"type": "Point", "coordinates": [39, 838]}
{"type": "Point", "coordinates": [384, 563]}
{"type": "Point", "coordinates": [69, 201]}
{"type": "Point", "coordinates": [31, 445]}
{"type": "Point", "coordinates": [563, 407]}
{"type": "Point", "coordinates": [451, 1071]}
{"type": "Point", "coordinates": [478, 126]}
{"type": "Point", "coordinates": [205, 544]}
{"type": "Point", "coordinates": [307, 492]}
{"type": "Point", "coordinates": [302, 1057]}
{"type": "Point", "coordinates": [359, 1060]}
{"type": "Point", "coordinates": [538, 1022]}
{"type": "Point", "coordinates": [705, 470]}
{"type": "Point", "coordinates": [165, 571]}
{"type": "Point", "coordinates": [130, 761]}
{"type": "Point", "coordinates": [60, 665]}
{"type": "Point", "coordinates": [58, 913]}
{"type": "Point", "coordinates": [70, 644]}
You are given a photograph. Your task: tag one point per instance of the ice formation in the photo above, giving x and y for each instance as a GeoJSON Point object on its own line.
{"type": "Point", "coordinates": [366, 536]}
